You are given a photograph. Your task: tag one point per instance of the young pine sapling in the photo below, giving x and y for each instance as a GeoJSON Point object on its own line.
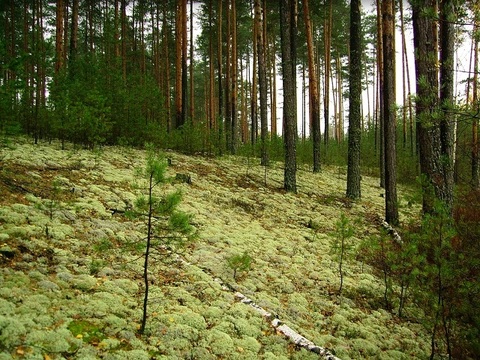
{"type": "Point", "coordinates": [341, 244]}
{"type": "Point", "coordinates": [239, 263]}
{"type": "Point", "coordinates": [167, 228]}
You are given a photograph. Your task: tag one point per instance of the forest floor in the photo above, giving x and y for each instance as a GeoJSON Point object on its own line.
{"type": "Point", "coordinates": [71, 269]}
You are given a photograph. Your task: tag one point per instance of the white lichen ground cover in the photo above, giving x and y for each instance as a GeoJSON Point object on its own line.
{"type": "Point", "coordinates": [70, 270]}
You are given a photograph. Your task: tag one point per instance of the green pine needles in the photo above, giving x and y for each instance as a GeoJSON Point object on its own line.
{"type": "Point", "coordinates": [239, 262]}
{"type": "Point", "coordinates": [168, 229]}
{"type": "Point", "coordinates": [341, 245]}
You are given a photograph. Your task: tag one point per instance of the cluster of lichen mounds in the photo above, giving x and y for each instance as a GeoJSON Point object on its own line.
{"type": "Point", "coordinates": [71, 263]}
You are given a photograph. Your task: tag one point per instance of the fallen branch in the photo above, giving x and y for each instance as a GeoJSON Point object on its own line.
{"type": "Point", "coordinates": [277, 324]}
{"type": "Point", "coordinates": [282, 328]}
{"type": "Point", "coordinates": [391, 231]}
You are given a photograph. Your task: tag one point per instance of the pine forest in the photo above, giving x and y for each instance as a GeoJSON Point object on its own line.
{"type": "Point", "coordinates": [256, 179]}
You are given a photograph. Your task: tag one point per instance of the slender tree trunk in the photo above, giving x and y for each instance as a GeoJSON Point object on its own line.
{"type": "Point", "coordinates": [404, 76]}
{"type": "Point", "coordinates": [388, 27]}
{"type": "Point", "coordinates": [428, 133]}
{"type": "Point", "coordinates": [211, 126]}
{"type": "Point", "coordinates": [369, 109]}
{"type": "Point", "coordinates": [409, 100]}
{"type": "Point", "coordinates": [475, 145]}
{"type": "Point", "coordinates": [335, 107]}
{"type": "Point", "coordinates": [65, 32]}
{"type": "Point", "coordinates": [262, 82]}
{"type": "Point", "coordinates": [380, 122]}
{"type": "Point", "coordinates": [10, 75]}
{"type": "Point", "coordinates": [314, 103]}
{"type": "Point", "coordinates": [27, 89]}
{"type": "Point", "coordinates": [168, 105]}
{"type": "Point", "coordinates": [38, 40]}
{"type": "Point", "coordinates": [288, 30]}
{"type": "Point", "coordinates": [458, 137]}
{"type": "Point", "coordinates": [245, 69]}
{"type": "Point", "coordinates": [340, 99]}
{"type": "Point", "coordinates": [59, 44]}
{"type": "Point", "coordinates": [273, 86]}
{"type": "Point", "coordinates": [220, 76]}
{"type": "Point", "coordinates": [234, 81]}
{"type": "Point", "coordinates": [146, 281]}
{"type": "Point", "coordinates": [184, 87]}
{"type": "Point", "coordinates": [178, 65]}
{"type": "Point", "coordinates": [124, 40]}
{"type": "Point", "coordinates": [35, 78]}
{"type": "Point", "coordinates": [327, 41]}
{"type": "Point", "coordinates": [447, 53]}
{"type": "Point", "coordinates": [192, 66]}
{"type": "Point", "coordinates": [304, 104]}
{"type": "Point", "coordinates": [143, 59]}
{"type": "Point", "coordinates": [116, 35]}
{"type": "Point", "coordinates": [354, 120]}
{"type": "Point", "coordinates": [74, 32]}
{"type": "Point", "coordinates": [228, 79]}
{"type": "Point", "coordinates": [253, 96]}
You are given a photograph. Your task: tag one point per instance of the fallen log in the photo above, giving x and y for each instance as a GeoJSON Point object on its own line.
{"type": "Point", "coordinates": [391, 231]}
{"type": "Point", "coordinates": [287, 331]}
{"type": "Point", "coordinates": [276, 323]}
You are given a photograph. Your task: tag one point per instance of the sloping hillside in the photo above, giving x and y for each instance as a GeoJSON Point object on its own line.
{"type": "Point", "coordinates": [71, 268]}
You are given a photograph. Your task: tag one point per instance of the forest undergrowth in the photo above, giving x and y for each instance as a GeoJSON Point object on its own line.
{"type": "Point", "coordinates": [71, 263]}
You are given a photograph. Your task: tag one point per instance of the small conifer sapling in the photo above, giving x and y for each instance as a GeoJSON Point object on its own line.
{"type": "Point", "coordinates": [239, 263]}
{"type": "Point", "coordinates": [341, 244]}
{"type": "Point", "coordinates": [167, 228]}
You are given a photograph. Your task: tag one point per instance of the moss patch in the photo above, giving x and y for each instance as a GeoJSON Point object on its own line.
{"type": "Point", "coordinates": [72, 262]}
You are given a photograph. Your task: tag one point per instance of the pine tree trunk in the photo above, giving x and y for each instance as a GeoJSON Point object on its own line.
{"type": "Point", "coordinates": [228, 80]}
{"type": "Point", "coordinates": [143, 64]}
{"type": "Point", "coordinates": [27, 72]}
{"type": "Point", "coordinates": [339, 98]}
{"type": "Point", "coordinates": [388, 27]}
{"type": "Point", "coordinates": [211, 92]}
{"type": "Point", "coordinates": [408, 99]}
{"type": "Point", "coordinates": [234, 111]}
{"type": "Point", "coordinates": [447, 58]}
{"type": "Point", "coordinates": [65, 32]}
{"type": "Point", "coordinates": [220, 77]}
{"type": "Point", "coordinates": [184, 42]}
{"type": "Point", "coordinates": [74, 32]}
{"type": "Point", "coordinates": [475, 146]}
{"type": "Point", "coordinates": [404, 77]}
{"type": "Point", "coordinates": [380, 118]}
{"type": "Point", "coordinates": [178, 65]}
{"type": "Point", "coordinates": [288, 42]}
{"type": "Point", "coordinates": [314, 106]}
{"type": "Point", "coordinates": [192, 85]}
{"type": "Point", "coordinates": [124, 40]}
{"type": "Point", "coordinates": [328, 39]}
{"type": "Point", "coordinates": [304, 104]}
{"type": "Point", "coordinates": [354, 120]}
{"type": "Point", "coordinates": [273, 86]}
{"type": "Point", "coordinates": [262, 82]}
{"type": "Point", "coordinates": [168, 106]}
{"type": "Point", "coordinates": [59, 45]}
{"type": "Point", "coordinates": [253, 92]}
{"type": "Point", "coordinates": [428, 133]}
